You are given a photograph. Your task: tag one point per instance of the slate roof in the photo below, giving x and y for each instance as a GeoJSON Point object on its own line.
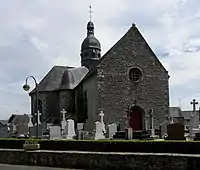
{"type": "Point", "coordinates": [187, 114]}
{"type": "Point", "coordinates": [61, 77]}
{"type": "Point", "coordinates": [175, 112]}
{"type": "Point", "coordinates": [52, 81]}
{"type": "Point", "coordinates": [4, 122]}
{"type": "Point", "coordinates": [72, 77]}
{"type": "Point", "coordinates": [133, 31]}
{"type": "Point", "coordinates": [17, 119]}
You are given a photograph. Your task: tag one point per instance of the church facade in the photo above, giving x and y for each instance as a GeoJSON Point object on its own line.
{"type": "Point", "coordinates": [127, 80]}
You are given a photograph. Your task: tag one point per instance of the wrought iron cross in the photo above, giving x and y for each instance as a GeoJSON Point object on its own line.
{"type": "Point", "coordinates": [90, 12]}
{"type": "Point", "coordinates": [194, 103]}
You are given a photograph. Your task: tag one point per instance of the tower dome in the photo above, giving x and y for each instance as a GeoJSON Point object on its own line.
{"type": "Point", "coordinates": [90, 47]}
{"type": "Point", "coordinates": [90, 41]}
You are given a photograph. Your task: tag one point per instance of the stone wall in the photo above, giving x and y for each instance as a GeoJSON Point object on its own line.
{"type": "Point", "coordinates": [116, 92]}
{"type": "Point", "coordinates": [89, 86]}
{"type": "Point", "coordinates": [95, 160]}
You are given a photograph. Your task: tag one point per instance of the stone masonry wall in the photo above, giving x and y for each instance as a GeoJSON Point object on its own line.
{"type": "Point", "coordinates": [116, 92]}
{"type": "Point", "coordinates": [90, 87]}
{"type": "Point", "coordinates": [50, 106]}
{"type": "Point", "coordinates": [95, 160]}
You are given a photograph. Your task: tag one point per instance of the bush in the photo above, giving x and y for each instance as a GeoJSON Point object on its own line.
{"type": "Point", "coordinates": [184, 147]}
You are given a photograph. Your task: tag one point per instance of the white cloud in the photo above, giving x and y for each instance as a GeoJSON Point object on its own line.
{"type": "Point", "coordinates": [39, 34]}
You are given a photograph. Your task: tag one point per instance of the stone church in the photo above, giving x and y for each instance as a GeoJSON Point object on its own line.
{"type": "Point", "coordinates": [127, 80]}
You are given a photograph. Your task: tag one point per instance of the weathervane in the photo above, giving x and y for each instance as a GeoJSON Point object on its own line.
{"type": "Point", "coordinates": [90, 12]}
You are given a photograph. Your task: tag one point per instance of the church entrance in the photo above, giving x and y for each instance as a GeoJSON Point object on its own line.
{"type": "Point", "coordinates": [136, 118]}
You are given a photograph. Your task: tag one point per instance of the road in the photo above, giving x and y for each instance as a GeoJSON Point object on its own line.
{"type": "Point", "coordinates": [20, 167]}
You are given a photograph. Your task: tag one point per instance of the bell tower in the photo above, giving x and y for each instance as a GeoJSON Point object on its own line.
{"type": "Point", "coordinates": [91, 47]}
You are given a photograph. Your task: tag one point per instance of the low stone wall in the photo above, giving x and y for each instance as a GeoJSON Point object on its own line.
{"type": "Point", "coordinates": [97, 160]}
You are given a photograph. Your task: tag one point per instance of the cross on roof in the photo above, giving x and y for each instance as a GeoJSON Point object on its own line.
{"type": "Point", "coordinates": [194, 103]}
{"type": "Point", "coordinates": [90, 12]}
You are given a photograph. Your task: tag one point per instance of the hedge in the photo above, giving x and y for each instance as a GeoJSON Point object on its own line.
{"type": "Point", "coordinates": [184, 147]}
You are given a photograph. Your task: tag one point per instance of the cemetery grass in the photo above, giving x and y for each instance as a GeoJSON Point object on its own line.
{"type": "Point", "coordinates": [143, 146]}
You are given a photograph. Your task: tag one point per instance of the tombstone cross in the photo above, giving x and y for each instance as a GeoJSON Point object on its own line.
{"type": "Point", "coordinates": [14, 127]}
{"type": "Point", "coordinates": [103, 125]}
{"type": "Point", "coordinates": [101, 115]}
{"type": "Point", "coordinates": [39, 114]}
{"type": "Point", "coordinates": [30, 124]}
{"type": "Point", "coordinates": [30, 116]}
{"type": "Point", "coordinates": [63, 114]}
{"type": "Point", "coordinates": [194, 103]}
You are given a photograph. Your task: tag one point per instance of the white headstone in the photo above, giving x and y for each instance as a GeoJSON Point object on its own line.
{"type": "Point", "coordinates": [112, 129]}
{"type": "Point", "coordinates": [80, 133]}
{"type": "Point", "coordinates": [80, 126]}
{"type": "Point", "coordinates": [30, 124]}
{"type": "Point", "coordinates": [55, 132]}
{"type": "Point", "coordinates": [99, 133]}
{"type": "Point", "coordinates": [63, 122]}
{"type": "Point", "coordinates": [102, 122]}
{"type": "Point", "coordinates": [70, 129]}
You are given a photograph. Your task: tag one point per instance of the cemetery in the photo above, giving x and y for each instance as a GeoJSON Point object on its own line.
{"type": "Point", "coordinates": [111, 113]}
{"type": "Point", "coordinates": [60, 145]}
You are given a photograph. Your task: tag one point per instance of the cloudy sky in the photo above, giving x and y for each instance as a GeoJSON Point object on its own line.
{"type": "Point", "coordinates": [38, 34]}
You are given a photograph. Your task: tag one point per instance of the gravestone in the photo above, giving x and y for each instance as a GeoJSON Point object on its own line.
{"type": "Point", "coordinates": [55, 132]}
{"type": "Point", "coordinates": [163, 129]}
{"type": "Point", "coordinates": [48, 125]}
{"type": "Point", "coordinates": [63, 122]}
{"type": "Point", "coordinates": [30, 124]}
{"type": "Point", "coordinates": [99, 131]}
{"type": "Point", "coordinates": [3, 131]}
{"type": "Point", "coordinates": [70, 134]}
{"type": "Point", "coordinates": [41, 130]}
{"type": "Point", "coordinates": [128, 133]}
{"type": "Point", "coordinates": [38, 114]}
{"type": "Point", "coordinates": [80, 134]}
{"type": "Point", "coordinates": [175, 131]}
{"type": "Point", "coordinates": [112, 129]}
{"type": "Point", "coordinates": [194, 119]}
{"type": "Point", "coordinates": [14, 128]}
{"type": "Point", "coordinates": [102, 122]}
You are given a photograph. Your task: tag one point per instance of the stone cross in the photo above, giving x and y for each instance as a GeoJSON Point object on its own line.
{"type": "Point", "coordinates": [103, 125]}
{"type": "Point", "coordinates": [194, 103]}
{"type": "Point", "coordinates": [14, 127]}
{"type": "Point", "coordinates": [127, 118]}
{"type": "Point", "coordinates": [30, 124]}
{"type": "Point", "coordinates": [63, 122]}
{"type": "Point", "coordinates": [38, 117]}
{"type": "Point", "coordinates": [63, 114]}
{"type": "Point", "coordinates": [152, 123]}
{"type": "Point", "coordinates": [101, 115]}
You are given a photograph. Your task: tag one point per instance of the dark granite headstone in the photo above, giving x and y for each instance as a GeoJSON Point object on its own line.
{"type": "Point", "coordinates": [197, 136]}
{"type": "Point", "coordinates": [175, 131]}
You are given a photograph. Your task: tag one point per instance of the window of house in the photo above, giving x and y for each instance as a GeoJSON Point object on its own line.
{"type": "Point", "coordinates": [135, 74]}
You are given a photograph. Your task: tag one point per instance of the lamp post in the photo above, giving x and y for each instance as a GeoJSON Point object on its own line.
{"type": "Point", "coordinates": [26, 87]}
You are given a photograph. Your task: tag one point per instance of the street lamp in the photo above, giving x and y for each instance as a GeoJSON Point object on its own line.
{"type": "Point", "coordinates": [26, 87]}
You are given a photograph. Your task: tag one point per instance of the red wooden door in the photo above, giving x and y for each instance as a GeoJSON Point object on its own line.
{"type": "Point", "coordinates": [136, 119]}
